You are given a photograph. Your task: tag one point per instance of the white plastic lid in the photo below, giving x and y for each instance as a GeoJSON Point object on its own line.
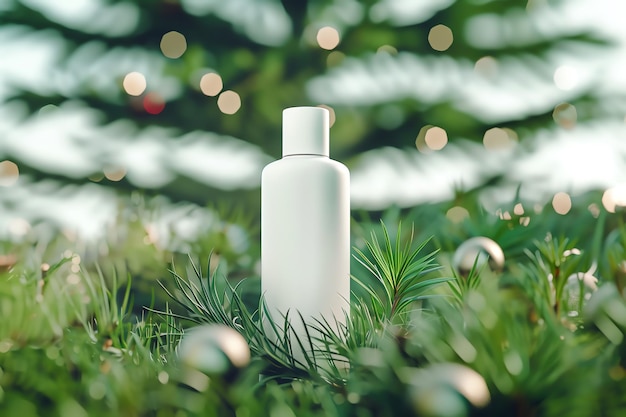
{"type": "Point", "coordinates": [305, 131]}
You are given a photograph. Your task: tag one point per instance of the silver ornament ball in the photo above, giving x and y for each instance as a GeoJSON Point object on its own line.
{"type": "Point", "coordinates": [478, 249]}
{"type": "Point", "coordinates": [213, 349]}
{"type": "Point", "coordinates": [443, 389]}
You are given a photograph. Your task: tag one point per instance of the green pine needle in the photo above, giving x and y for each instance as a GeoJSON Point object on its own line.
{"type": "Point", "coordinates": [403, 278]}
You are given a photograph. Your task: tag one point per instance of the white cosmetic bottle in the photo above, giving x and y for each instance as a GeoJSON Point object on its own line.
{"type": "Point", "coordinates": [305, 226]}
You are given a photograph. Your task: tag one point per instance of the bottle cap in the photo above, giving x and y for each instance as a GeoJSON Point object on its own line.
{"type": "Point", "coordinates": [305, 131]}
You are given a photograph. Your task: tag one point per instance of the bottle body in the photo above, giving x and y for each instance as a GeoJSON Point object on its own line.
{"type": "Point", "coordinates": [305, 240]}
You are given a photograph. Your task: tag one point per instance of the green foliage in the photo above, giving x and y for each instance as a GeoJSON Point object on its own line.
{"type": "Point", "coordinates": [74, 343]}
{"type": "Point", "coordinates": [212, 299]}
{"type": "Point", "coordinates": [399, 273]}
{"type": "Point", "coordinates": [86, 331]}
{"type": "Point", "coordinates": [384, 53]}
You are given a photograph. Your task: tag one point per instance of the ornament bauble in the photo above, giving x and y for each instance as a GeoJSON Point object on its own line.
{"type": "Point", "coordinates": [480, 250]}
{"type": "Point", "coordinates": [446, 389]}
{"type": "Point", "coordinates": [213, 349]}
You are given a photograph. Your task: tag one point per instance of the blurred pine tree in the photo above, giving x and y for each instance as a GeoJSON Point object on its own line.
{"type": "Point", "coordinates": [399, 68]}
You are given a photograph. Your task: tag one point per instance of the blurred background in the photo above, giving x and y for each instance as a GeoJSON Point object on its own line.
{"type": "Point", "coordinates": [162, 113]}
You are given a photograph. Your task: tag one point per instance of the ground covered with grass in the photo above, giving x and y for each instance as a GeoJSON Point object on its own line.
{"type": "Point", "coordinates": [150, 322]}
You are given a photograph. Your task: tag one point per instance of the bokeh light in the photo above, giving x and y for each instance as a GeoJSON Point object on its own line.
{"type": "Point", "coordinates": [420, 140]}
{"type": "Point", "coordinates": [331, 114]}
{"type": "Point", "coordinates": [565, 115]}
{"type": "Point", "coordinates": [173, 44]}
{"type": "Point", "coordinates": [436, 138]}
{"type": "Point", "coordinates": [335, 58]}
{"type": "Point", "coordinates": [614, 197]}
{"type": "Point", "coordinates": [562, 203]}
{"type": "Point", "coordinates": [114, 173]}
{"type": "Point", "coordinates": [19, 227]}
{"type": "Point", "coordinates": [229, 102]}
{"type": "Point", "coordinates": [211, 84]}
{"type": "Point", "coordinates": [457, 214]}
{"type": "Point", "coordinates": [496, 138]}
{"type": "Point", "coordinates": [153, 103]}
{"type": "Point", "coordinates": [486, 66]}
{"type": "Point", "coordinates": [503, 215]}
{"type": "Point", "coordinates": [594, 210]}
{"type": "Point", "coordinates": [97, 177]}
{"type": "Point", "coordinates": [440, 37]}
{"type": "Point", "coordinates": [73, 279]}
{"type": "Point", "coordinates": [387, 49]}
{"type": "Point", "coordinates": [9, 173]}
{"type": "Point", "coordinates": [134, 83]}
{"type": "Point", "coordinates": [512, 134]}
{"type": "Point", "coordinates": [48, 109]}
{"type": "Point", "coordinates": [566, 77]}
{"type": "Point", "coordinates": [327, 38]}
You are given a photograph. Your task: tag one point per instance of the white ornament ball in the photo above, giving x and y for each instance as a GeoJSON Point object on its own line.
{"type": "Point", "coordinates": [443, 389]}
{"type": "Point", "coordinates": [478, 249]}
{"type": "Point", "coordinates": [213, 349]}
